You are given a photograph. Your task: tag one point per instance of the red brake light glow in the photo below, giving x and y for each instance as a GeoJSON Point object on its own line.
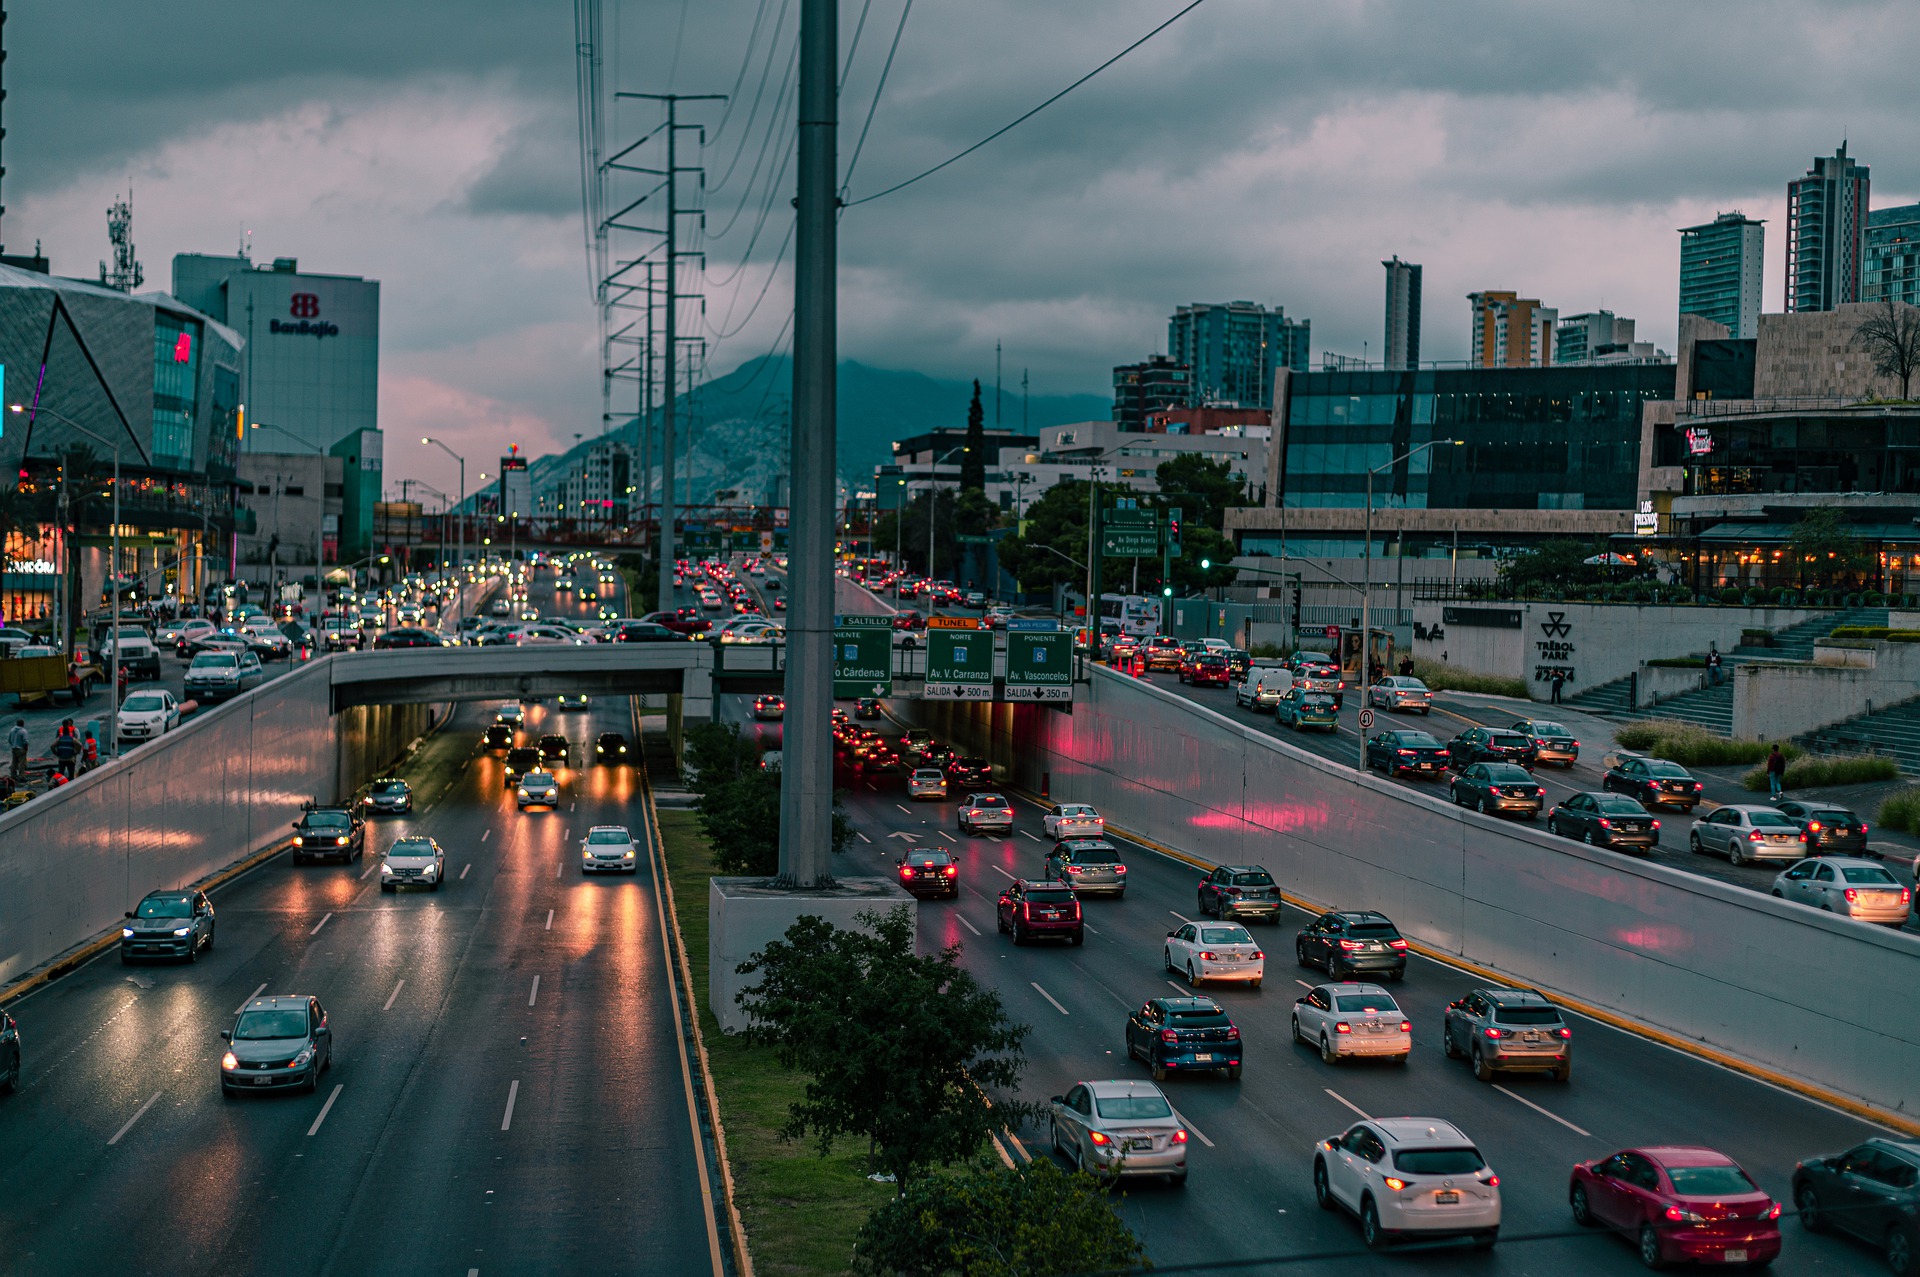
{"type": "Point", "coordinates": [1406, 1026]}
{"type": "Point", "coordinates": [1180, 1137]}
{"type": "Point", "coordinates": [1100, 1137]}
{"type": "Point", "coordinates": [1343, 1027]}
{"type": "Point", "coordinates": [1492, 1032]}
{"type": "Point", "coordinates": [1396, 944]}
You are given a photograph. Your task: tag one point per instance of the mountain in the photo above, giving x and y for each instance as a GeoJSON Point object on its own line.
{"type": "Point", "coordinates": [738, 424]}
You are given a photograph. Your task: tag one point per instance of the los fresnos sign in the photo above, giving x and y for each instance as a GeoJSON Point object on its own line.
{"type": "Point", "coordinates": [305, 309]}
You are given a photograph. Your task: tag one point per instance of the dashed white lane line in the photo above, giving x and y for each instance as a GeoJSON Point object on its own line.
{"type": "Point", "coordinates": [968, 925]}
{"type": "Point", "coordinates": [250, 997]}
{"type": "Point", "coordinates": [371, 866]}
{"type": "Point", "coordinates": [1365, 1116]}
{"type": "Point", "coordinates": [549, 926]}
{"type": "Point", "coordinates": [1542, 1112]}
{"type": "Point", "coordinates": [1181, 987]}
{"type": "Point", "coordinates": [326, 1108]}
{"type": "Point", "coordinates": [1050, 998]}
{"type": "Point", "coordinates": [320, 924]}
{"type": "Point", "coordinates": [944, 834]}
{"type": "Point", "coordinates": [393, 995]}
{"type": "Point", "coordinates": [534, 993]}
{"type": "Point", "coordinates": [566, 833]}
{"type": "Point", "coordinates": [1029, 834]}
{"type": "Point", "coordinates": [1197, 1132]}
{"type": "Point", "coordinates": [513, 1093]}
{"type": "Point", "coordinates": [464, 868]}
{"type": "Point", "coordinates": [556, 872]}
{"type": "Point", "coordinates": [1004, 874]}
{"type": "Point", "coordinates": [1303, 984]}
{"type": "Point", "coordinates": [1090, 930]}
{"type": "Point", "coordinates": [1176, 913]}
{"type": "Point", "coordinates": [486, 834]}
{"type": "Point", "coordinates": [138, 1114]}
{"type": "Point", "coordinates": [908, 810]}
{"type": "Point", "coordinates": [862, 837]}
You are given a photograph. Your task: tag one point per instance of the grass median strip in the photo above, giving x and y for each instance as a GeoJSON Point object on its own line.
{"type": "Point", "coordinates": [800, 1210]}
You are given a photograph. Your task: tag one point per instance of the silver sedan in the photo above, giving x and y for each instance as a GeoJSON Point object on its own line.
{"type": "Point", "coordinates": [1846, 885]}
{"type": "Point", "coordinates": [1352, 1018]}
{"type": "Point", "coordinates": [1745, 834]}
{"type": "Point", "coordinates": [1118, 1128]}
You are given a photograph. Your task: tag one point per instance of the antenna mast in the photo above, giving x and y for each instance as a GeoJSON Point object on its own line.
{"type": "Point", "coordinates": [126, 273]}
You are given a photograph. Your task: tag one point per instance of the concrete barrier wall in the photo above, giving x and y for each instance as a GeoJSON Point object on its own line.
{"type": "Point", "coordinates": [225, 784]}
{"type": "Point", "coordinates": [1788, 988]}
{"type": "Point", "coordinates": [1771, 701]}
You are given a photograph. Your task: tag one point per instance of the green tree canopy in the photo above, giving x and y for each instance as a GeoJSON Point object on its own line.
{"type": "Point", "coordinates": [1825, 550]}
{"type": "Point", "coordinates": [739, 804]}
{"type": "Point", "coordinates": [973, 462]}
{"type": "Point", "coordinates": [1050, 548]}
{"type": "Point", "coordinates": [1557, 564]}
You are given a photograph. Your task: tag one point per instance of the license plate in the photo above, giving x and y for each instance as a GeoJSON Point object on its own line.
{"type": "Point", "coordinates": [1736, 1257]}
{"type": "Point", "coordinates": [1138, 1145]}
{"type": "Point", "coordinates": [1446, 1197]}
{"type": "Point", "coordinates": [262, 1081]}
{"type": "Point", "coordinates": [1205, 1057]}
{"type": "Point", "coordinates": [1427, 767]}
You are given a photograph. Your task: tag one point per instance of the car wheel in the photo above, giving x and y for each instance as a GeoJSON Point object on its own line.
{"type": "Point", "coordinates": [1327, 1052]}
{"type": "Point", "coordinates": [193, 952]}
{"type": "Point", "coordinates": [1807, 1202]}
{"type": "Point", "coordinates": [1564, 1073]}
{"type": "Point", "coordinates": [1300, 954]}
{"type": "Point", "coordinates": [11, 1082]}
{"type": "Point", "coordinates": [1693, 844]}
{"type": "Point", "coordinates": [1447, 1048]}
{"type": "Point", "coordinates": [313, 1082]}
{"type": "Point", "coordinates": [1159, 1071]}
{"type": "Point", "coordinates": [1200, 906]}
{"type": "Point", "coordinates": [1370, 1231]}
{"type": "Point", "coordinates": [1582, 1208]}
{"type": "Point", "coordinates": [1079, 936]}
{"type": "Point", "coordinates": [386, 886]}
{"type": "Point", "coordinates": [1481, 1069]}
{"type": "Point", "coordinates": [1650, 1247]}
{"type": "Point", "coordinates": [1322, 1191]}
{"type": "Point", "coordinates": [1735, 855]}
{"type": "Point", "coordinates": [1898, 1247]}
{"type": "Point", "coordinates": [1233, 1072]}
{"type": "Point", "coordinates": [1000, 923]}
{"type": "Point", "coordinates": [1255, 982]}
{"type": "Point", "coordinates": [1589, 838]}
{"type": "Point", "coordinates": [1486, 807]}
{"type": "Point", "coordinates": [1019, 934]}
{"type": "Point", "coordinates": [299, 859]}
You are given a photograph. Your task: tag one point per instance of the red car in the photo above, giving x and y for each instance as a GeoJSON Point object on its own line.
{"type": "Point", "coordinates": [1205, 669]}
{"type": "Point", "coordinates": [1030, 909]}
{"type": "Point", "coordinates": [1678, 1204]}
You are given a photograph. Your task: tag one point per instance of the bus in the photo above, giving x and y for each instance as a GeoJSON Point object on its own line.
{"type": "Point", "coordinates": [1134, 615]}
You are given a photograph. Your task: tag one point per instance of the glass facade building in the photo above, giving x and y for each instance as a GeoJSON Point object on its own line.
{"type": "Point", "coordinates": [1893, 255]}
{"type": "Point", "coordinates": [1233, 350]}
{"type": "Point", "coordinates": [1720, 271]}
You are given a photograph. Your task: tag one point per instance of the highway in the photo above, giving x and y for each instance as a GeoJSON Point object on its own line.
{"type": "Point", "coordinates": [507, 1095]}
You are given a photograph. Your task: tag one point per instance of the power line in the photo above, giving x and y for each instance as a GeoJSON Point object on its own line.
{"type": "Point", "coordinates": [773, 272]}
{"type": "Point", "coordinates": [766, 73]}
{"type": "Point", "coordinates": [877, 89]}
{"type": "Point", "coordinates": [746, 61]}
{"type": "Point", "coordinates": [1030, 114]}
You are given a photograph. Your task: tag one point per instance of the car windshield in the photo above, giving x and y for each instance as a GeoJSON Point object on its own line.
{"type": "Point", "coordinates": [1673, 771]}
{"type": "Point", "coordinates": [411, 847]}
{"type": "Point", "coordinates": [257, 1026]}
{"type": "Point", "coordinates": [1873, 874]}
{"type": "Point", "coordinates": [1225, 935]}
{"type": "Point", "coordinates": [1127, 1108]}
{"type": "Point", "coordinates": [1507, 740]}
{"type": "Point", "coordinates": [1550, 729]}
{"type": "Point", "coordinates": [327, 820]}
{"type": "Point", "coordinates": [1372, 931]}
{"type": "Point", "coordinates": [1365, 1002]}
{"type": "Point", "coordinates": [389, 786]}
{"type": "Point", "coordinates": [166, 907]}
{"type": "Point", "coordinates": [1050, 895]}
{"type": "Point", "coordinates": [608, 837]}
{"type": "Point", "coordinates": [143, 703]}
{"type": "Point", "coordinates": [1611, 805]}
{"type": "Point", "coordinates": [214, 661]}
{"type": "Point", "coordinates": [1770, 820]}
{"type": "Point", "coordinates": [1710, 1181]}
{"type": "Point", "coordinates": [1507, 772]}
{"type": "Point", "coordinates": [1253, 878]}
{"type": "Point", "coordinates": [1526, 1015]}
{"type": "Point", "coordinates": [1439, 1161]}
{"type": "Point", "coordinates": [538, 778]}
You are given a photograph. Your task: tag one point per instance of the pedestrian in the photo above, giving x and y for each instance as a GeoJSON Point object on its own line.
{"type": "Point", "coordinates": [1776, 772]}
{"type": "Point", "coordinates": [90, 752]}
{"type": "Point", "coordinates": [1713, 664]}
{"type": "Point", "coordinates": [1559, 678]}
{"type": "Point", "coordinates": [1406, 666]}
{"type": "Point", "coordinates": [17, 742]}
{"type": "Point", "coordinates": [66, 748]}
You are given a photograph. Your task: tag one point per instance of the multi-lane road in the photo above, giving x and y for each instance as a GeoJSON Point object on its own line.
{"type": "Point", "coordinates": [507, 1094]}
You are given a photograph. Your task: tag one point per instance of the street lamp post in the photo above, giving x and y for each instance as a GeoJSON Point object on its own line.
{"type": "Point", "coordinates": [113, 573]}
{"type": "Point", "coordinates": [460, 553]}
{"type": "Point", "coordinates": [933, 500]}
{"type": "Point", "coordinates": [1094, 556]}
{"type": "Point", "coordinates": [1366, 589]}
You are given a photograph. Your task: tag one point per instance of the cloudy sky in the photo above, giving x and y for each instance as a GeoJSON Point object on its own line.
{"type": "Point", "coordinates": [1273, 150]}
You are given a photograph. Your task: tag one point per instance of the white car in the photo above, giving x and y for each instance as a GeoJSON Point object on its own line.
{"type": "Point", "coordinates": [1408, 1178]}
{"type": "Point", "coordinates": [538, 635]}
{"type": "Point", "coordinates": [1074, 820]}
{"type": "Point", "coordinates": [145, 715]}
{"type": "Point", "coordinates": [1263, 687]}
{"type": "Point", "coordinates": [413, 861]}
{"type": "Point", "coordinates": [1120, 1128]}
{"type": "Point", "coordinates": [1401, 691]}
{"type": "Point", "coordinates": [1205, 951]}
{"type": "Point", "coordinates": [499, 607]}
{"type": "Point", "coordinates": [1846, 885]}
{"type": "Point", "coordinates": [609, 849]}
{"type": "Point", "coordinates": [927, 782]}
{"type": "Point", "coordinates": [1351, 1018]}
{"type": "Point", "coordinates": [753, 631]}
{"type": "Point", "coordinates": [538, 789]}
{"type": "Point", "coordinates": [513, 714]}
{"type": "Point", "coordinates": [265, 631]}
{"type": "Point", "coordinates": [985, 811]}
{"type": "Point", "coordinates": [412, 614]}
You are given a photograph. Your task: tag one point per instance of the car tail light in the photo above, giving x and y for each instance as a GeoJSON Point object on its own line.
{"type": "Point", "coordinates": [1656, 824]}
{"type": "Point", "coordinates": [1343, 1027]}
{"type": "Point", "coordinates": [1492, 1032]}
{"type": "Point", "coordinates": [1233, 1033]}
{"type": "Point", "coordinates": [1119, 869]}
{"type": "Point", "coordinates": [1406, 1026]}
{"type": "Point", "coordinates": [1394, 1183]}
{"type": "Point", "coordinates": [1179, 1135]}
{"type": "Point", "coordinates": [1772, 1211]}
{"type": "Point", "coordinates": [1208, 955]}
{"type": "Point", "coordinates": [1679, 1215]}
{"type": "Point", "coordinates": [1493, 1181]}
{"type": "Point", "coordinates": [1396, 944]}
{"type": "Point", "coordinates": [1605, 823]}
{"type": "Point", "coordinates": [1100, 1137]}
{"type": "Point", "coordinates": [1566, 1033]}
{"type": "Point", "coordinates": [1404, 753]}
{"type": "Point", "coordinates": [1350, 945]}
{"type": "Point", "coordinates": [1755, 836]}
{"type": "Point", "coordinates": [1233, 891]}
{"type": "Point", "coordinates": [952, 871]}
{"type": "Point", "coordinates": [1852, 895]}
{"type": "Point", "coordinates": [1863, 829]}
{"type": "Point", "coordinates": [1168, 1035]}
{"type": "Point", "coordinates": [1258, 956]}
{"type": "Point", "coordinates": [1076, 911]}
{"type": "Point", "coordinates": [1813, 826]}
{"type": "Point", "coordinates": [906, 871]}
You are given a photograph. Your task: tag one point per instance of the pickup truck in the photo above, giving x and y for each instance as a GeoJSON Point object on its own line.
{"type": "Point", "coordinates": [36, 678]}
{"type": "Point", "coordinates": [138, 655]}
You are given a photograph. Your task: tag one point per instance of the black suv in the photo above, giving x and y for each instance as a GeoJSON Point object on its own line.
{"type": "Point", "coordinates": [1654, 782]}
{"type": "Point", "coordinates": [521, 760]}
{"type": "Point", "coordinates": [1184, 1035]}
{"type": "Point", "coordinates": [970, 773]}
{"type": "Point", "coordinates": [553, 748]}
{"type": "Point", "coordinates": [1491, 745]}
{"type": "Point", "coordinates": [1240, 891]}
{"type": "Point", "coordinates": [326, 832]}
{"type": "Point", "coordinates": [930, 873]}
{"type": "Point", "coordinates": [1872, 1191]}
{"type": "Point", "coordinates": [1828, 828]}
{"type": "Point", "coordinates": [1344, 943]}
{"type": "Point", "coordinates": [611, 747]}
{"type": "Point", "coordinates": [499, 736]}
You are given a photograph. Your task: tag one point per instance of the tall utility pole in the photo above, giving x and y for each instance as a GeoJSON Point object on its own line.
{"type": "Point", "coordinates": [806, 772]}
{"type": "Point", "coordinates": [996, 385]}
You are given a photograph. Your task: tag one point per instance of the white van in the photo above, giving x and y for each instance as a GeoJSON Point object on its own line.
{"type": "Point", "coordinates": [1264, 686]}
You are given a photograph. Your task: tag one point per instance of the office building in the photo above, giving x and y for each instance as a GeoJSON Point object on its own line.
{"type": "Point", "coordinates": [313, 343]}
{"type": "Point", "coordinates": [1893, 255]}
{"type": "Point", "coordinates": [1234, 348]}
{"type": "Point", "coordinates": [1720, 270]}
{"type": "Point", "coordinates": [1600, 337]}
{"type": "Point", "coordinates": [514, 489]}
{"type": "Point", "coordinates": [1510, 331]}
{"type": "Point", "coordinates": [593, 485]}
{"type": "Point", "coordinates": [296, 498]}
{"type": "Point", "coordinates": [1147, 387]}
{"type": "Point", "coordinates": [1826, 233]}
{"type": "Point", "coordinates": [1403, 314]}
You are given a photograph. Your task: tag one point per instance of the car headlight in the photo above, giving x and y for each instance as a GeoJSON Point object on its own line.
{"type": "Point", "coordinates": [523, 793]}
{"type": "Point", "coordinates": [126, 933]}
{"type": "Point", "coordinates": [340, 842]}
{"type": "Point", "coordinates": [181, 931]}
{"type": "Point", "coordinates": [228, 1062]}
{"type": "Point", "coordinates": [301, 1060]}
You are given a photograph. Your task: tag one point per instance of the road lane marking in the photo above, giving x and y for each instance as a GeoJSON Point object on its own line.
{"type": "Point", "coordinates": [485, 834]}
{"type": "Point", "coordinates": [1029, 834]}
{"type": "Point", "coordinates": [1197, 1133]}
{"type": "Point", "coordinates": [1365, 1116]}
{"type": "Point", "coordinates": [464, 868]}
{"type": "Point", "coordinates": [371, 866]}
{"type": "Point", "coordinates": [944, 834]}
{"type": "Point", "coordinates": [1090, 929]}
{"type": "Point", "coordinates": [1003, 873]}
{"type": "Point", "coordinates": [393, 995]}
{"type": "Point", "coordinates": [862, 837]}
{"type": "Point", "coordinates": [968, 925]}
{"type": "Point", "coordinates": [533, 993]}
{"type": "Point", "coordinates": [513, 1093]}
{"type": "Point", "coordinates": [320, 924]}
{"type": "Point", "coordinates": [908, 810]}
{"type": "Point", "coordinates": [556, 871]}
{"type": "Point", "coordinates": [567, 833]}
{"type": "Point", "coordinates": [1049, 997]}
{"type": "Point", "coordinates": [1542, 1112]}
{"type": "Point", "coordinates": [1176, 913]}
{"type": "Point", "coordinates": [1303, 984]}
{"type": "Point", "coordinates": [250, 997]}
{"type": "Point", "coordinates": [549, 920]}
{"type": "Point", "coordinates": [142, 1112]}
{"type": "Point", "coordinates": [1181, 987]}
{"type": "Point", "coordinates": [326, 1108]}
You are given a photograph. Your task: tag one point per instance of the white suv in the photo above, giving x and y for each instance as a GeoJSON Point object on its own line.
{"type": "Point", "coordinates": [1408, 1178]}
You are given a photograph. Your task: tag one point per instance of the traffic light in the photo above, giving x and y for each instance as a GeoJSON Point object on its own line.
{"type": "Point", "coordinates": [1295, 587]}
{"type": "Point", "coordinates": [1173, 530]}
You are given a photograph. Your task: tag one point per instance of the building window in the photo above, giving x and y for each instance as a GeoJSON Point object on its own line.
{"type": "Point", "coordinates": [176, 380]}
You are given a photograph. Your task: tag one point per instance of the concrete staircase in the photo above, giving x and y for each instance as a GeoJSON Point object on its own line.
{"type": "Point", "coordinates": [1709, 707]}
{"type": "Point", "coordinates": [1894, 732]}
{"type": "Point", "coordinates": [1609, 700]}
{"type": "Point", "coordinates": [1795, 643]}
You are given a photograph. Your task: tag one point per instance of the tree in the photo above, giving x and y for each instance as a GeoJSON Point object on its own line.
{"type": "Point", "coordinates": [1823, 550]}
{"type": "Point", "coordinates": [739, 804]}
{"type": "Point", "coordinates": [994, 1221]}
{"type": "Point", "coordinates": [898, 1045]}
{"type": "Point", "coordinates": [1051, 546]}
{"type": "Point", "coordinates": [1203, 489]}
{"type": "Point", "coordinates": [973, 462]}
{"type": "Point", "coordinates": [1557, 564]}
{"type": "Point", "coordinates": [1891, 338]}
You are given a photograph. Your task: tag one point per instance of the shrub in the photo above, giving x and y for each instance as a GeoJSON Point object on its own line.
{"type": "Point", "coordinates": [1691, 745]}
{"type": "Point", "coordinates": [1839, 769]}
{"type": "Point", "coordinates": [1679, 662]}
{"type": "Point", "coordinates": [1450, 678]}
{"type": "Point", "coordinates": [1730, 594]}
{"type": "Point", "coordinates": [1868, 633]}
{"type": "Point", "coordinates": [1757, 638]}
{"type": "Point", "coordinates": [1901, 810]}
{"type": "Point", "coordinates": [1853, 600]}
{"type": "Point", "coordinates": [1873, 598]}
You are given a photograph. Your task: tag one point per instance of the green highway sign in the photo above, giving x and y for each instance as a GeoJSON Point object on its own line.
{"type": "Point", "coordinates": [1121, 517]}
{"type": "Point", "coordinates": [862, 621]}
{"type": "Point", "coordinates": [959, 665]}
{"type": "Point", "coordinates": [1039, 666]}
{"type": "Point", "coordinates": [969, 539]}
{"type": "Point", "coordinates": [1130, 533]}
{"type": "Point", "coordinates": [863, 658]}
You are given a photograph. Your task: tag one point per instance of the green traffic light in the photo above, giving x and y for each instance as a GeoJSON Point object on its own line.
{"type": "Point", "coordinates": [1206, 564]}
{"type": "Point", "coordinates": [1166, 591]}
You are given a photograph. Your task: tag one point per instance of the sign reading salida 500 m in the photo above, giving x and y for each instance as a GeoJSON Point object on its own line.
{"type": "Point", "coordinates": [959, 660]}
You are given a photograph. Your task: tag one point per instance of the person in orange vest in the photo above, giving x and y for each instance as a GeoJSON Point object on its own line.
{"type": "Point", "coordinates": [90, 752]}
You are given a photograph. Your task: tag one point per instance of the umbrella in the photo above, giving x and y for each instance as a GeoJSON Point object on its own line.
{"type": "Point", "coordinates": [1610, 559]}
